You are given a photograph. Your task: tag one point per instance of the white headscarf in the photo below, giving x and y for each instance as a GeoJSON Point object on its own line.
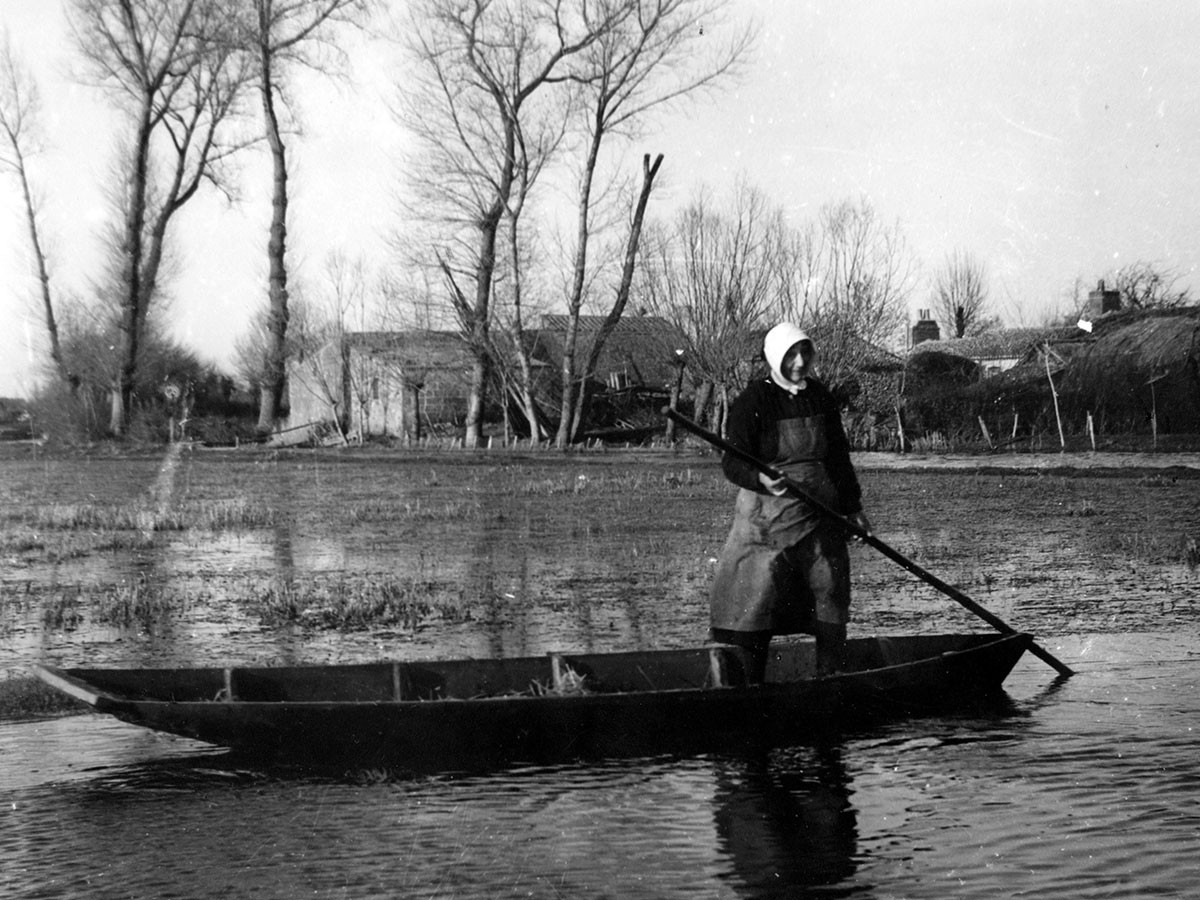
{"type": "Point", "coordinates": [777, 342]}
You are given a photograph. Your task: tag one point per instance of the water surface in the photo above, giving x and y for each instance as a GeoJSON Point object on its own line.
{"type": "Point", "coordinates": [1085, 789]}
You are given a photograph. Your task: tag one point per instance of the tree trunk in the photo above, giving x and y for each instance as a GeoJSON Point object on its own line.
{"type": "Point", "coordinates": [575, 300]}
{"type": "Point", "coordinates": [131, 314]}
{"type": "Point", "coordinates": [525, 368]}
{"type": "Point", "coordinates": [703, 395]}
{"type": "Point", "coordinates": [676, 393]}
{"type": "Point", "coordinates": [618, 308]}
{"type": "Point", "coordinates": [275, 375]}
{"type": "Point", "coordinates": [69, 378]}
{"type": "Point", "coordinates": [481, 369]}
{"type": "Point", "coordinates": [722, 410]}
{"type": "Point", "coordinates": [481, 312]}
{"type": "Point", "coordinates": [528, 403]}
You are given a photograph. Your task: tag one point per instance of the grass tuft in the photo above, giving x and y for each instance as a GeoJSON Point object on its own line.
{"type": "Point", "coordinates": [353, 604]}
{"type": "Point", "coordinates": [136, 604]}
{"type": "Point", "coordinates": [381, 509]}
{"type": "Point", "coordinates": [208, 515]}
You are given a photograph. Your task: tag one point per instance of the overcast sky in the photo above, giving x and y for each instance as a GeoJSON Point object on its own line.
{"type": "Point", "coordinates": [1052, 140]}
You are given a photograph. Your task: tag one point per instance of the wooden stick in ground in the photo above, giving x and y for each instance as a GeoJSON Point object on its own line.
{"type": "Point", "coordinates": [866, 537]}
{"type": "Point", "coordinates": [1062, 441]}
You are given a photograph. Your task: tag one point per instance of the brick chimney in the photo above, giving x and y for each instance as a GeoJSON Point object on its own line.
{"type": "Point", "coordinates": [926, 329]}
{"type": "Point", "coordinates": [1101, 301]}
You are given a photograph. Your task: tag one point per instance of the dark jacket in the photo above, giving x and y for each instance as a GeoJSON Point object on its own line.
{"type": "Point", "coordinates": [753, 427]}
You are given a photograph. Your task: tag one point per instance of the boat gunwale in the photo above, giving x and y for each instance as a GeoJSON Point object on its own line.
{"type": "Point", "coordinates": [108, 701]}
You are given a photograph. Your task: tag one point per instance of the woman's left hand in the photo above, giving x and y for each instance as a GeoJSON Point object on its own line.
{"type": "Point", "coordinates": [859, 519]}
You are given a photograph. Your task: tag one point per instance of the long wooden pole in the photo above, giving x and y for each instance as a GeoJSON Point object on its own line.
{"type": "Point", "coordinates": [868, 538]}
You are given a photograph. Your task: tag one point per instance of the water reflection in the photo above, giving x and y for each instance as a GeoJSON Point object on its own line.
{"type": "Point", "coordinates": [786, 822]}
{"type": "Point", "coordinates": [1083, 789]}
{"type": "Point", "coordinates": [282, 553]}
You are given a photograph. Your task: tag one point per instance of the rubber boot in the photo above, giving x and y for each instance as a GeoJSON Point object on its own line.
{"type": "Point", "coordinates": [831, 648]}
{"type": "Point", "coordinates": [755, 659]}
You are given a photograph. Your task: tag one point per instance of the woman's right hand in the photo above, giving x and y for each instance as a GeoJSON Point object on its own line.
{"type": "Point", "coordinates": [776, 486]}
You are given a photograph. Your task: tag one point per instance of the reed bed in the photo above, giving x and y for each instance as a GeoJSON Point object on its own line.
{"type": "Point", "coordinates": [208, 515]}
{"type": "Point", "coordinates": [91, 517]}
{"type": "Point", "coordinates": [634, 483]}
{"type": "Point", "coordinates": [352, 603]}
{"type": "Point", "coordinates": [135, 604]}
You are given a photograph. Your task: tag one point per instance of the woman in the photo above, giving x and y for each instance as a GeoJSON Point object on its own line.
{"type": "Point", "coordinates": [785, 568]}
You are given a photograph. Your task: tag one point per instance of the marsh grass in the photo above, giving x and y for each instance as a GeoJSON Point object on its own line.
{"type": "Point", "coordinates": [135, 604]}
{"type": "Point", "coordinates": [21, 543]}
{"type": "Point", "coordinates": [207, 515]}
{"type": "Point", "coordinates": [1165, 546]}
{"type": "Point", "coordinates": [63, 610]}
{"type": "Point", "coordinates": [139, 603]}
{"type": "Point", "coordinates": [93, 517]}
{"type": "Point", "coordinates": [388, 510]}
{"type": "Point", "coordinates": [349, 604]}
{"type": "Point", "coordinates": [637, 482]}
{"type": "Point", "coordinates": [59, 532]}
{"type": "Point", "coordinates": [934, 442]}
{"type": "Point", "coordinates": [1159, 481]}
{"type": "Point", "coordinates": [1085, 509]}
{"type": "Point", "coordinates": [235, 514]}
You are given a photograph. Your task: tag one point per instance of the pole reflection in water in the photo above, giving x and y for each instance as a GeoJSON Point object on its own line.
{"type": "Point", "coordinates": [785, 821]}
{"type": "Point", "coordinates": [283, 557]}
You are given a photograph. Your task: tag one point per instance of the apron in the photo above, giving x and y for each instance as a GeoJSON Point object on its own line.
{"type": "Point", "coordinates": [783, 566]}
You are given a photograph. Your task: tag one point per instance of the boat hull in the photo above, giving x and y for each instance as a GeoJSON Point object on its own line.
{"type": "Point", "coordinates": [465, 714]}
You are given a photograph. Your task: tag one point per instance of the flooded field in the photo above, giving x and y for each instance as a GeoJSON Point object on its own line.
{"type": "Point", "coordinates": [1085, 789]}
{"type": "Point", "coordinates": [218, 557]}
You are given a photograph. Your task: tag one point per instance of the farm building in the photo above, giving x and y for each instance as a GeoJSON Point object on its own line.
{"type": "Point", "coordinates": [637, 367]}
{"type": "Point", "coordinates": [993, 352]}
{"type": "Point", "coordinates": [1135, 371]}
{"type": "Point", "coordinates": [641, 351]}
{"type": "Point", "coordinates": [1139, 368]}
{"type": "Point", "coordinates": [410, 383]}
{"type": "Point", "coordinates": [381, 383]}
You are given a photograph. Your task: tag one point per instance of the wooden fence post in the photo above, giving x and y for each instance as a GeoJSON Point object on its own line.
{"type": "Point", "coordinates": [987, 437]}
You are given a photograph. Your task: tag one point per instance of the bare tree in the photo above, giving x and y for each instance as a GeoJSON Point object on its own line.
{"type": "Point", "coordinates": [281, 35]}
{"type": "Point", "coordinates": [528, 170]}
{"type": "Point", "coordinates": [349, 305]}
{"type": "Point", "coordinates": [320, 355]}
{"type": "Point", "coordinates": [498, 78]}
{"type": "Point", "coordinates": [536, 143]}
{"type": "Point", "coordinates": [621, 295]}
{"type": "Point", "coordinates": [483, 68]}
{"type": "Point", "coordinates": [20, 105]}
{"type": "Point", "coordinates": [1148, 285]}
{"type": "Point", "coordinates": [410, 299]}
{"type": "Point", "coordinates": [656, 52]}
{"type": "Point", "coordinates": [847, 279]}
{"type": "Point", "coordinates": [960, 294]}
{"type": "Point", "coordinates": [712, 274]}
{"type": "Point", "coordinates": [174, 73]}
